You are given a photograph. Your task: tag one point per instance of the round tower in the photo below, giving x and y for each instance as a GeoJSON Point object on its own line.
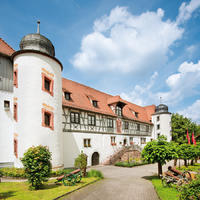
{"type": "Point", "coordinates": [37, 98]}
{"type": "Point", "coordinates": [162, 122]}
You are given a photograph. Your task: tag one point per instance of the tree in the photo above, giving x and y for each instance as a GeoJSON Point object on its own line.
{"type": "Point", "coordinates": [37, 165]}
{"type": "Point", "coordinates": [159, 151]}
{"type": "Point", "coordinates": [81, 162]}
{"type": "Point", "coordinates": [187, 152]}
{"type": "Point", "coordinates": [180, 124]}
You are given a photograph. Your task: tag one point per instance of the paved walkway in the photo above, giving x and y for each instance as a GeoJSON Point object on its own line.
{"type": "Point", "coordinates": [120, 184]}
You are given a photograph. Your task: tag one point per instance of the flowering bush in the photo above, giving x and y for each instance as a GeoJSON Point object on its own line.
{"type": "Point", "coordinates": [37, 165]}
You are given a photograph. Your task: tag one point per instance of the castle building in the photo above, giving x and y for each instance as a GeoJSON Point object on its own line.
{"type": "Point", "coordinates": [39, 107]}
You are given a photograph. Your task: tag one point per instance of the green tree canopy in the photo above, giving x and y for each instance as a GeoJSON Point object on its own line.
{"type": "Point", "coordinates": [159, 151]}
{"type": "Point", "coordinates": [180, 124]}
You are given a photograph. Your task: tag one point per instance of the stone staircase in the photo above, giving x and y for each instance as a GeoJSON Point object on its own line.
{"type": "Point", "coordinates": [120, 152]}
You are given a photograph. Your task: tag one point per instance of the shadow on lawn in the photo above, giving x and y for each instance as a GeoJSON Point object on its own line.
{"type": "Point", "coordinates": [4, 195]}
{"type": "Point", "coordinates": [150, 177]}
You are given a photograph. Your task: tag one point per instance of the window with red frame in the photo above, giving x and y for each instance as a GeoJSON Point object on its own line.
{"type": "Point", "coordinates": [47, 84]}
{"type": "Point", "coordinates": [15, 147]}
{"type": "Point", "coordinates": [47, 119]}
{"type": "Point", "coordinates": [15, 112]}
{"type": "Point", "coordinates": [15, 78]}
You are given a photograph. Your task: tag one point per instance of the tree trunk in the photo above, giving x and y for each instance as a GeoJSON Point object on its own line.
{"type": "Point", "coordinates": [192, 162]}
{"type": "Point", "coordinates": [159, 169]}
{"type": "Point", "coordinates": [196, 159]}
{"type": "Point", "coordinates": [185, 163]}
{"type": "Point", "coordinates": [175, 162]}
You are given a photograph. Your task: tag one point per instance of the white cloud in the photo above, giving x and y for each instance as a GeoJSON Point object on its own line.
{"type": "Point", "coordinates": [124, 42]}
{"type": "Point", "coordinates": [186, 10]}
{"type": "Point", "coordinates": [182, 84]}
{"type": "Point", "coordinates": [142, 95]}
{"type": "Point", "coordinates": [192, 111]}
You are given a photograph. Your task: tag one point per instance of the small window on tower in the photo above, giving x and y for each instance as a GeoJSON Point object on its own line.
{"type": "Point", "coordinates": [47, 119]}
{"type": "Point", "coordinates": [15, 78]}
{"type": "Point", "coordinates": [15, 111]}
{"type": "Point", "coordinates": [158, 126]}
{"type": "Point", "coordinates": [15, 148]}
{"type": "Point", "coordinates": [47, 84]}
{"type": "Point", "coordinates": [158, 118]}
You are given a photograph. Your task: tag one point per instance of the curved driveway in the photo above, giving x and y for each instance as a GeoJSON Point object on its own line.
{"type": "Point", "coordinates": [120, 184]}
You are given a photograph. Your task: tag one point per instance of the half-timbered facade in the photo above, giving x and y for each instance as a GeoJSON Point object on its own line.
{"type": "Point", "coordinates": [39, 107]}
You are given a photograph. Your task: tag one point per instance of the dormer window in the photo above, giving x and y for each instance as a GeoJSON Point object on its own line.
{"type": "Point", "coordinates": [67, 96]}
{"type": "Point", "coordinates": [136, 114]}
{"type": "Point", "coordinates": [118, 111]}
{"type": "Point", "coordinates": [94, 103]}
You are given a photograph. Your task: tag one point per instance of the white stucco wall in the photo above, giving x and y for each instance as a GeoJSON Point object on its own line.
{"type": "Point", "coordinates": [31, 99]}
{"type": "Point", "coordinates": [6, 128]}
{"type": "Point", "coordinates": [165, 125]}
{"type": "Point", "coordinates": [101, 143]}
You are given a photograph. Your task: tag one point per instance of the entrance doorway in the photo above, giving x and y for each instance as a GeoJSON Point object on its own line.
{"type": "Point", "coordinates": [95, 158]}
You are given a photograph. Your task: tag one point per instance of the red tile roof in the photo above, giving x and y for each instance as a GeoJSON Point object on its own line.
{"type": "Point", "coordinates": [5, 48]}
{"type": "Point", "coordinates": [82, 97]}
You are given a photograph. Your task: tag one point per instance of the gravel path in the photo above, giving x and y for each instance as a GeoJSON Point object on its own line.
{"type": "Point", "coordinates": [120, 184]}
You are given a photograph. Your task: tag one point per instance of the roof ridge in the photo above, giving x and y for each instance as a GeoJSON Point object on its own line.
{"type": "Point", "coordinates": [88, 87]}
{"type": "Point", "coordinates": [6, 43]}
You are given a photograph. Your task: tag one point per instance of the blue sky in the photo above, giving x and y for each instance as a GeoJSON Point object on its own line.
{"type": "Point", "coordinates": [141, 50]}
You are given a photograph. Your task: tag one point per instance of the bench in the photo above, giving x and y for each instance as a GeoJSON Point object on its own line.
{"type": "Point", "coordinates": [72, 178]}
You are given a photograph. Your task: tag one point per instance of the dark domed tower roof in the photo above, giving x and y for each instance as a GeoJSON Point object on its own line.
{"type": "Point", "coordinates": [162, 108]}
{"type": "Point", "coordinates": [36, 41]}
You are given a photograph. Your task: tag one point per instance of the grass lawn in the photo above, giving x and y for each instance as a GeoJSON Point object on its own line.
{"type": "Point", "coordinates": [19, 190]}
{"type": "Point", "coordinates": [165, 193]}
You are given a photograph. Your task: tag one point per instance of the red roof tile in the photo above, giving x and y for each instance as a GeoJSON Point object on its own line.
{"type": "Point", "coordinates": [5, 48]}
{"type": "Point", "coordinates": [82, 96]}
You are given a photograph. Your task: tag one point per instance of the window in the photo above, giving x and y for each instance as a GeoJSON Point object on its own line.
{"type": "Point", "coordinates": [67, 96]}
{"type": "Point", "coordinates": [6, 105]}
{"type": "Point", "coordinates": [143, 140]}
{"type": "Point", "coordinates": [15, 147]}
{"type": "Point", "coordinates": [86, 143]}
{"type": "Point", "coordinates": [110, 123]}
{"type": "Point", "coordinates": [15, 112]}
{"type": "Point", "coordinates": [147, 128]}
{"type": "Point", "coordinates": [158, 126]}
{"type": "Point", "coordinates": [95, 103]}
{"type": "Point", "coordinates": [158, 118]}
{"type": "Point", "coordinates": [158, 135]}
{"type": "Point", "coordinates": [47, 119]}
{"type": "Point", "coordinates": [15, 78]}
{"type": "Point", "coordinates": [47, 84]}
{"type": "Point", "coordinates": [118, 111]}
{"type": "Point", "coordinates": [126, 125]}
{"type": "Point", "coordinates": [131, 140]}
{"type": "Point", "coordinates": [138, 127]}
{"type": "Point", "coordinates": [136, 114]}
{"type": "Point", "coordinates": [91, 120]}
{"type": "Point", "coordinates": [112, 140]}
{"type": "Point", "coordinates": [75, 117]}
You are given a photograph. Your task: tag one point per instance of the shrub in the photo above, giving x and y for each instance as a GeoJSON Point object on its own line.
{"type": "Point", "coordinates": [190, 191]}
{"type": "Point", "coordinates": [130, 164]}
{"type": "Point", "coordinates": [95, 173]}
{"type": "Point", "coordinates": [81, 162]}
{"type": "Point", "coordinates": [61, 172]}
{"type": "Point", "coordinates": [37, 165]}
{"type": "Point", "coordinates": [13, 172]}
